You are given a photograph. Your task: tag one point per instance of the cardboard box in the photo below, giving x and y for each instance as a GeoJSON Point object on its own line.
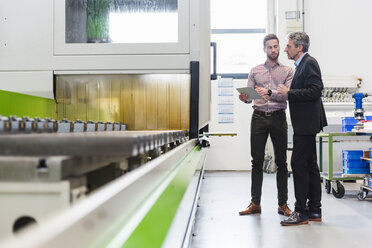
{"type": "Point", "coordinates": [365, 154]}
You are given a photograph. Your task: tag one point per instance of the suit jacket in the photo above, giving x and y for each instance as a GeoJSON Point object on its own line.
{"type": "Point", "coordinates": [304, 97]}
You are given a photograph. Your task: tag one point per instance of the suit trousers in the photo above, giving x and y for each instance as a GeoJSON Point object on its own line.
{"type": "Point", "coordinates": [275, 126]}
{"type": "Point", "coordinates": [306, 174]}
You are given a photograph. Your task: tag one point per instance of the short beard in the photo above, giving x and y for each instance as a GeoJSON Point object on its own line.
{"type": "Point", "coordinates": [271, 58]}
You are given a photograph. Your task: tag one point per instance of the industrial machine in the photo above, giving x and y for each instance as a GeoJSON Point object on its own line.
{"type": "Point", "coordinates": [109, 113]}
{"type": "Point", "coordinates": [338, 99]}
{"type": "Point", "coordinates": [358, 110]}
{"type": "Point", "coordinates": [340, 96]}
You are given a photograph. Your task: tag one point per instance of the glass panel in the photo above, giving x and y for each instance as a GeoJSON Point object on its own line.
{"type": "Point", "coordinates": [121, 21]}
{"type": "Point", "coordinates": [238, 53]}
{"type": "Point", "coordinates": [148, 101]}
{"type": "Point", "coordinates": [149, 27]}
{"type": "Point", "coordinates": [238, 14]}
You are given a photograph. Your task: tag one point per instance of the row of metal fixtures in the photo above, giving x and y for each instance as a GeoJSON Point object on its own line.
{"type": "Point", "coordinates": [339, 95]}
{"type": "Point", "coordinates": [15, 124]}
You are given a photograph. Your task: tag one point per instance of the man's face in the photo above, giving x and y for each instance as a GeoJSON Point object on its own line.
{"type": "Point", "coordinates": [272, 49]}
{"type": "Point", "coordinates": [292, 51]}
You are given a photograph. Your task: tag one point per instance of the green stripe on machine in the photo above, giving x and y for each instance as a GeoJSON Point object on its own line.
{"type": "Point", "coordinates": [21, 105]}
{"type": "Point", "coordinates": [153, 229]}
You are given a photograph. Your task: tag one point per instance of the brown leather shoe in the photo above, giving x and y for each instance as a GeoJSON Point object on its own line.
{"type": "Point", "coordinates": [284, 210]}
{"type": "Point", "coordinates": [251, 209]}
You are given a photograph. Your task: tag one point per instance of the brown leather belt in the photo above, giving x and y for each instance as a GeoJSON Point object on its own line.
{"type": "Point", "coordinates": [280, 111]}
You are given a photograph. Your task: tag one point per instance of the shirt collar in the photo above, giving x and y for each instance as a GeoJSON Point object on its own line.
{"type": "Point", "coordinates": [297, 63]}
{"type": "Point", "coordinates": [268, 65]}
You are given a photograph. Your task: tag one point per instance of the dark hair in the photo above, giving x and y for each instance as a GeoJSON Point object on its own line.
{"type": "Point", "coordinates": [270, 37]}
{"type": "Point", "coordinates": [300, 38]}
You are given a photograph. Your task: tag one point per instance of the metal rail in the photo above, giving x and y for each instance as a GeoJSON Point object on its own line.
{"type": "Point", "coordinates": [123, 144]}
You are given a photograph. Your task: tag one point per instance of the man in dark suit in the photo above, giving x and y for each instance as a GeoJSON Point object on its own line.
{"type": "Point", "coordinates": [308, 118]}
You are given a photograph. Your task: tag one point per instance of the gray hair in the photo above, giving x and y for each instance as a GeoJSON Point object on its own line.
{"type": "Point", "coordinates": [300, 38]}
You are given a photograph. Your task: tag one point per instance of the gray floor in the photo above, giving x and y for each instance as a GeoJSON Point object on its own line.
{"type": "Point", "coordinates": [347, 222]}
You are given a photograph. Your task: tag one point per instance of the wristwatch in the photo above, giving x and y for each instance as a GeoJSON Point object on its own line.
{"type": "Point", "coordinates": [269, 92]}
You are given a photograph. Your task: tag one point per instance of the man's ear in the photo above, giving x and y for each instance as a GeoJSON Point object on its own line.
{"type": "Point", "coordinates": [301, 47]}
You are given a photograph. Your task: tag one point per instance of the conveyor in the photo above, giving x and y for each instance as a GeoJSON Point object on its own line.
{"type": "Point", "coordinates": [70, 166]}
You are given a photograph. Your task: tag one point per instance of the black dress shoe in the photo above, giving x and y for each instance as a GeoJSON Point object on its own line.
{"type": "Point", "coordinates": [315, 217]}
{"type": "Point", "coordinates": [295, 219]}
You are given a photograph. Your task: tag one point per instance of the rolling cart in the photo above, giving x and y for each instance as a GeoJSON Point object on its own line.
{"type": "Point", "coordinates": [364, 189]}
{"type": "Point", "coordinates": [332, 180]}
{"type": "Point", "coordinates": [363, 192]}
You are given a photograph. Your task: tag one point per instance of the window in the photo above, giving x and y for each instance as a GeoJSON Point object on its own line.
{"type": "Point", "coordinates": [238, 28]}
{"type": "Point", "coordinates": [121, 21]}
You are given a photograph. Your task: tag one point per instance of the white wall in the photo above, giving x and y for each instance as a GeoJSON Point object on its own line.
{"type": "Point", "coordinates": [226, 152]}
{"type": "Point", "coordinates": [339, 35]}
{"type": "Point", "coordinates": [281, 7]}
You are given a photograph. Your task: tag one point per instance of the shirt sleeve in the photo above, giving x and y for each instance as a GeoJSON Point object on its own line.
{"type": "Point", "coordinates": [251, 83]}
{"type": "Point", "coordinates": [287, 82]}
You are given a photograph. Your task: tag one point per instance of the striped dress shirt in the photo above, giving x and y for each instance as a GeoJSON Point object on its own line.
{"type": "Point", "coordinates": [269, 77]}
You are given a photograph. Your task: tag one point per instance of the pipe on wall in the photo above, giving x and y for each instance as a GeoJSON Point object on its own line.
{"type": "Point", "coordinates": [303, 15]}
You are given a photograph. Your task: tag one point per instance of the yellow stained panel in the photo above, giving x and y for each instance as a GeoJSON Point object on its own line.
{"type": "Point", "coordinates": [151, 104]}
{"type": "Point", "coordinates": [92, 100]}
{"type": "Point", "coordinates": [174, 104]}
{"type": "Point", "coordinates": [127, 101]}
{"type": "Point", "coordinates": [60, 98]}
{"type": "Point", "coordinates": [81, 99]}
{"type": "Point", "coordinates": [142, 102]}
{"type": "Point", "coordinates": [70, 100]}
{"type": "Point", "coordinates": [139, 95]}
{"type": "Point", "coordinates": [163, 105]}
{"type": "Point", "coordinates": [115, 98]}
{"type": "Point", "coordinates": [185, 104]}
{"type": "Point", "coordinates": [104, 92]}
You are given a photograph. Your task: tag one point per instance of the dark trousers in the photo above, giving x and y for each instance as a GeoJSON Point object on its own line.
{"type": "Point", "coordinates": [306, 175]}
{"type": "Point", "coordinates": [261, 127]}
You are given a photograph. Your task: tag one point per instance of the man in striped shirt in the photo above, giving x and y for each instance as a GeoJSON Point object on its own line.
{"type": "Point", "coordinates": [269, 118]}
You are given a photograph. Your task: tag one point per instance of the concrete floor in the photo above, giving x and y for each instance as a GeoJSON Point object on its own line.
{"type": "Point", "coordinates": [347, 222]}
